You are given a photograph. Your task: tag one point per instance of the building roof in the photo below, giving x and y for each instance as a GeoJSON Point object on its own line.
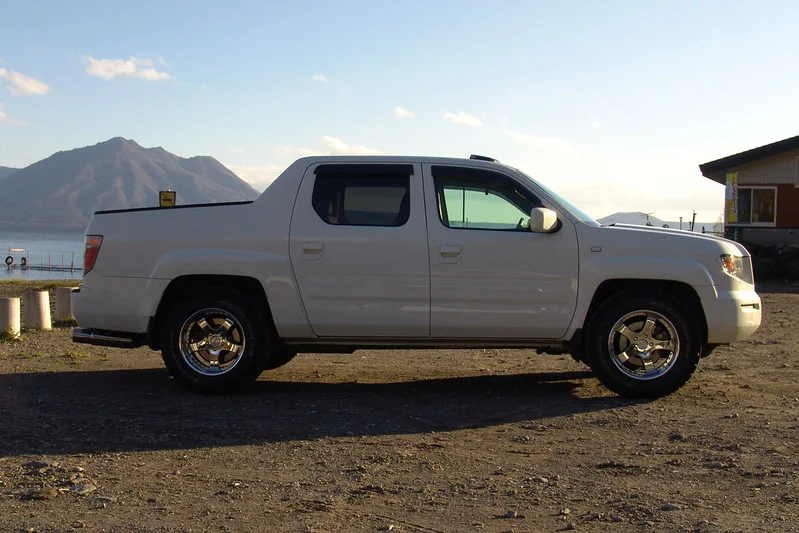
{"type": "Point", "coordinates": [720, 165]}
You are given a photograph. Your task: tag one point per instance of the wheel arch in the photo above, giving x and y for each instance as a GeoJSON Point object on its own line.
{"type": "Point", "coordinates": [182, 286]}
{"type": "Point", "coordinates": [683, 291]}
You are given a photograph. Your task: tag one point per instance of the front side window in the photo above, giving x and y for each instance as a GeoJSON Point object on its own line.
{"type": "Point", "coordinates": [757, 205]}
{"type": "Point", "coordinates": [479, 199]}
{"type": "Point", "coordinates": [362, 195]}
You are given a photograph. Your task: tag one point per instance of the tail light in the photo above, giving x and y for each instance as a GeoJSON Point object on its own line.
{"type": "Point", "coordinates": [92, 248]}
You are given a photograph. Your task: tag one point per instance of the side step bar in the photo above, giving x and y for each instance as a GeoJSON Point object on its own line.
{"type": "Point", "coordinates": [107, 338]}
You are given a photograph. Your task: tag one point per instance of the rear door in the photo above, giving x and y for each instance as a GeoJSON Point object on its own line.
{"type": "Point", "coordinates": [358, 246]}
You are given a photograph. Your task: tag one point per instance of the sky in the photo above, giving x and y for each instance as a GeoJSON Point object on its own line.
{"type": "Point", "coordinates": [613, 104]}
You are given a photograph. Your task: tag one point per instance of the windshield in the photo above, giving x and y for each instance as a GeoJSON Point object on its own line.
{"type": "Point", "coordinates": [575, 211]}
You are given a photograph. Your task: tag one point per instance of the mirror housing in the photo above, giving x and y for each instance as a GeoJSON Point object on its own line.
{"type": "Point", "coordinates": [543, 220]}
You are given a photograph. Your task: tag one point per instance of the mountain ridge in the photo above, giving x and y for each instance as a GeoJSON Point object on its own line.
{"type": "Point", "coordinates": [62, 191]}
{"type": "Point", "coordinates": [639, 218]}
{"type": "Point", "coordinates": [6, 172]}
{"type": "Point", "coordinates": [632, 217]}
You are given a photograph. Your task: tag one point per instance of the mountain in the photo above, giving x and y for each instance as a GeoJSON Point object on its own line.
{"type": "Point", "coordinates": [62, 191]}
{"type": "Point", "coordinates": [6, 172]}
{"type": "Point", "coordinates": [639, 219]}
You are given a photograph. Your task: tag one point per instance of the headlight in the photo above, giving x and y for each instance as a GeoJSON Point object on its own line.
{"type": "Point", "coordinates": [733, 265]}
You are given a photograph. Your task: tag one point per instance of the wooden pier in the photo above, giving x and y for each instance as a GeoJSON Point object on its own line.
{"type": "Point", "coordinates": [19, 258]}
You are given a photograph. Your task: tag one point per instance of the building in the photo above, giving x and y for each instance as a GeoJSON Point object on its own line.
{"type": "Point", "coordinates": [762, 196]}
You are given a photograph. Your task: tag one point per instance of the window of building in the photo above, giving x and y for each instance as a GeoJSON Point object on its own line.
{"type": "Point", "coordinates": [796, 173]}
{"type": "Point", "coordinates": [363, 195]}
{"type": "Point", "coordinates": [757, 205]}
{"type": "Point", "coordinates": [480, 199]}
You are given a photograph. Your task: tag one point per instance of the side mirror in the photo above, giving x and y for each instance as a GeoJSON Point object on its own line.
{"type": "Point", "coordinates": [542, 220]}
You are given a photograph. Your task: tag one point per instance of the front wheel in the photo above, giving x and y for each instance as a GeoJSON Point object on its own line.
{"type": "Point", "coordinates": [643, 344]}
{"type": "Point", "coordinates": [214, 339]}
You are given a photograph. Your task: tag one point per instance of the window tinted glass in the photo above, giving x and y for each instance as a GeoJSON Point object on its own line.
{"type": "Point", "coordinates": [744, 205]}
{"type": "Point", "coordinates": [756, 205]}
{"type": "Point", "coordinates": [367, 195]}
{"type": "Point", "coordinates": [477, 199]}
{"type": "Point", "coordinates": [763, 201]}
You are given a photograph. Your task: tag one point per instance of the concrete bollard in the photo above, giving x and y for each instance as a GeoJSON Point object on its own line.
{"type": "Point", "coordinates": [37, 310]}
{"type": "Point", "coordinates": [9, 316]}
{"type": "Point", "coordinates": [63, 304]}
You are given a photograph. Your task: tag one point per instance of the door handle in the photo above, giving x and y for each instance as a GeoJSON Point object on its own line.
{"type": "Point", "coordinates": [450, 251]}
{"type": "Point", "coordinates": [312, 248]}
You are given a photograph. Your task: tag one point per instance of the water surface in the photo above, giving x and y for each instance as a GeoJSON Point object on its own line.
{"type": "Point", "coordinates": [48, 255]}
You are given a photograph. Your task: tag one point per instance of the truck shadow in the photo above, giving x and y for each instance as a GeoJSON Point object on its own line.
{"type": "Point", "coordinates": [136, 410]}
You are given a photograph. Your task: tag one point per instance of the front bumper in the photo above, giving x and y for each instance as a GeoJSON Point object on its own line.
{"type": "Point", "coordinates": [732, 316]}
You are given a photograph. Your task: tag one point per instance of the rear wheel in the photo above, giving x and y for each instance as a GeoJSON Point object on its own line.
{"type": "Point", "coordinates": [643, 344]}
{"type": "Point", "coordinates": [214, 340]}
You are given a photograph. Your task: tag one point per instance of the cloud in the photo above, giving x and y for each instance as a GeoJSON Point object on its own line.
{"type": "Point", "coordinates": [259, 177]}
{"type": "Point", "coordinates": [463, 119]}
{"type": "Point", "coordinates": [334, 146]}
{"type": "Point", "coordinates": [550, 144]}
{"type": "Point", "coordinates": [292, 152]}
{"type": "Point", "coordinates": [404, 113]}
{"type": "Point", "coordinates": [321, 78]}
{"type": "Point", "coordinates": [22, 85]}
{"type": "Point", "coordinates": [132, 67]}
{"type": "Point", "coordinates": [163, 62]}
{"type": "Point", "coordinates": [4, 119]}
{"type": "Point", "coordinates": [330, 146]}
{"type": "Point", "coordinates": [235, 150]}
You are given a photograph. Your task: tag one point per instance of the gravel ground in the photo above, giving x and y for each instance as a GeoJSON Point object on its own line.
{"type": "Point", "coordinates": [101, 439]}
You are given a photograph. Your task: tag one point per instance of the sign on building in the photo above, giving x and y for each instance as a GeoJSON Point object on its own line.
{"type": "Point", "coordinates": [731, 198]}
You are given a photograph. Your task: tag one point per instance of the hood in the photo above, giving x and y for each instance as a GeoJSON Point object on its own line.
{"type": "Point", "coordinates": [656, 233]}
{"type": "Point", "coordinates": [643, 252]}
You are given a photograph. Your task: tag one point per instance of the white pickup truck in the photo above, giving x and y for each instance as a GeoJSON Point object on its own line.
{"type": "Point", "coordinates": [341, 253]}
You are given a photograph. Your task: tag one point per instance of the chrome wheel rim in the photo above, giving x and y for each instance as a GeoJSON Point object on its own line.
{"type": "Point", "coordinates": [644, 344]}
{"type": "Point", "coordinates": [212, 342]}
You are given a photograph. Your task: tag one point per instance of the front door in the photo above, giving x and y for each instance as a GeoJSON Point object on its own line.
{"type": "Point", "coordinates": [358, 247]}
{"type": "Point", "coordinates": [490, 275]}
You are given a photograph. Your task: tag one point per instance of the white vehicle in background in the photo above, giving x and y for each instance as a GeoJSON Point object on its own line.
{"type": "Point", "coordinates": [341, 253]}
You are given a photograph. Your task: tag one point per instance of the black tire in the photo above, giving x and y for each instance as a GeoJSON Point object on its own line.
{"type": "Point", "coordinates": [9, 261]}
{"type": "Point", "coordinates": [214, 340]}
{"type": "Point", "coordinates": [643, 344]}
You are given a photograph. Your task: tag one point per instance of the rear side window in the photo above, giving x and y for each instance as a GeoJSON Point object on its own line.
{"type": "Point", "coordinates": [362, 195]}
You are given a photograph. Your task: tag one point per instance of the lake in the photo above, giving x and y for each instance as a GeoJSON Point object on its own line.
{"type": "Point", "coordinates": [45, 254]}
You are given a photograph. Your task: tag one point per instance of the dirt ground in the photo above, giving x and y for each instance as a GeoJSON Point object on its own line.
{"type": "Point", "coordinates": [100, 439]}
